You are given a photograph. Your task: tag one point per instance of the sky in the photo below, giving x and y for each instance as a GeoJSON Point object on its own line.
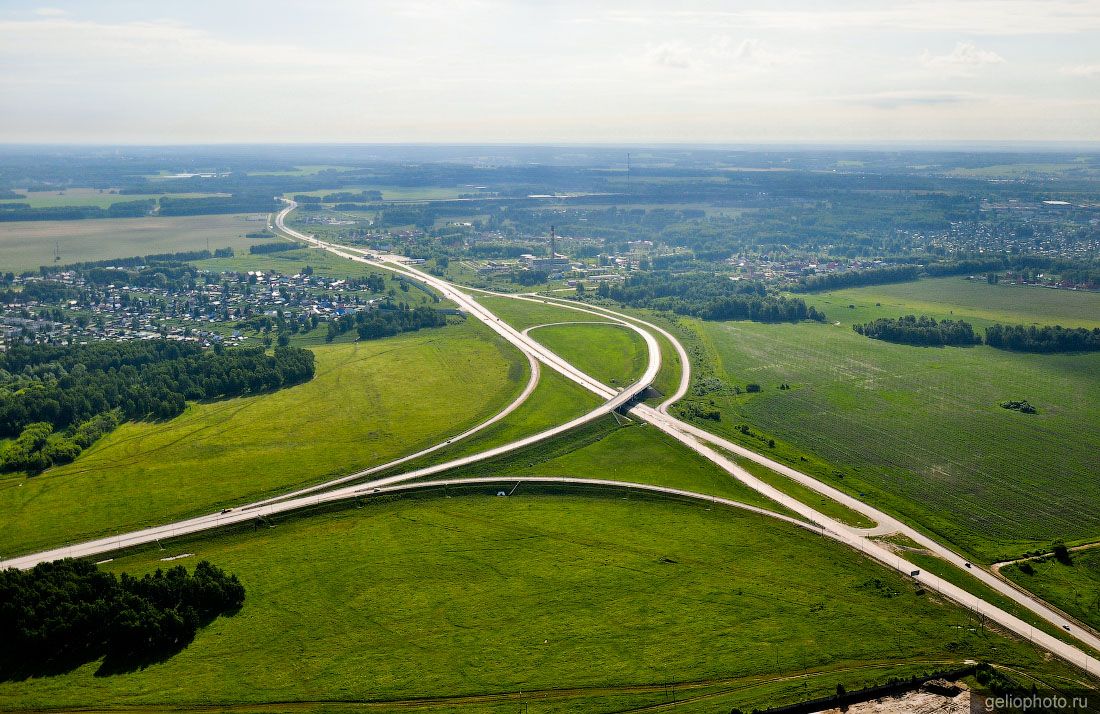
{"type": "Point", "coordinates": [497, 71]}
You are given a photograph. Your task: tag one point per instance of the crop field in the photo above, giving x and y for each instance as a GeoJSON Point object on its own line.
{"type": "Point", "coordinates": [920, 431]}
{"type": "Point", "coordinates": [613, 354]}
{"type": "Point", "coordinates": [1075, 588]}
{"type": "Point", "coordinates": [25, 245]}
{"type": "Point", "coordinates": [975, 301]}
{"type": "Point", "coordinates": [90, 197]}
{"type": "Point", "coordinates": [369, 402]}
{"type": "Point", "coordinates": [541, 602]}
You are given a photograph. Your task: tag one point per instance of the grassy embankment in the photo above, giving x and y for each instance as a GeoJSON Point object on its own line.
{"type": "Point", "coordinates": [369, 402]}
{"type": "Point", "coordinates": [919, 431]}
{"type": "Point", "coordinates": [558, 601]}
{"type": "Point", "coordinates": [614, 355]}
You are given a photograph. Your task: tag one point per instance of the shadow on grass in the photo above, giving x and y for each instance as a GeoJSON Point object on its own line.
{"type": "Point", "coordinates": [116, 658]}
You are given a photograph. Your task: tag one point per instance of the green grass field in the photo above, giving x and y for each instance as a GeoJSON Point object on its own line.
{"type": "Point", "coordinates": [397, 193]}
{"type": "Point", "coordinates": [556, 400]}
{"type": "Point", "coordinates": [1024, 170]}
{"type": "Point", "coordinates": [614, 355]}
{"type": "Point", "coordinates": [919, 431]}
{"type": "Point", "coordinates": [26, 245]}
{"type": "Point", "coordinates": [1074, 588]}
{"type": "Point", "coordinates": [90, 197]}
{"type": "Point", "coordinates": [618, 449]}
{"type": "Point", "coordinates": [789, 486]}
{"type": "Point", "coordinates": [959, 299]}
{"type": "Point", "coordinates": [304, 170]}
{"type": "Point", "coordinates": [522, 314]}
{"type": "Point", "coordinates": [561, 603]}
{"type": "Point", "coordinates": [370, 402]}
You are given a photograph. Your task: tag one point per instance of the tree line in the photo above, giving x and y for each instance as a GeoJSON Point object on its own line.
{"type": "Point", "coordinates": [376, 323]}
{"type": "Point", "coordinates": [1029, 338]}
{"type": "Point", "coordinates": [53, 399]}
{"type": "Point", "coordinates": [857, 278]}
{"type": "Point", "coordinates": [60, 615]}
{"type": "Point", "coordinates": [165, 206]}
{"type": "Point", "coordinates": [276, 247]}
{"type": "Point", "coordinates": [923, 330]}
{"type": "Point", "coordinates": [137, 261]}
{"type": "Point", "coordinates": [708, 296]}
{"type": "Point", "coordinates": [1075, 271]}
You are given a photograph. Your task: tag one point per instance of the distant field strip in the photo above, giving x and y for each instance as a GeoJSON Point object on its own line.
{"type": "Point", "coordinates": [26, 245]}
{"type": "Point", "coordinates": [971, 300]}
{"type": "Point", "coordinates": [90, 197]}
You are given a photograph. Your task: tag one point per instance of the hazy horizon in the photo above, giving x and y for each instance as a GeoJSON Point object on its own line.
{"type": "Point", "coordinates": [493, 72]}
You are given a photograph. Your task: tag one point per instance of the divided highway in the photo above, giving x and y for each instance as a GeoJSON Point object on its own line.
{"type": "Point", "coordinates": [698, 440]}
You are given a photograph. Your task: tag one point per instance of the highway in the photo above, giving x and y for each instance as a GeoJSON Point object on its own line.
{"type": "Point", "coordinates": [694, 438]}
{"type": "Point", "coordinates": [698, 440]}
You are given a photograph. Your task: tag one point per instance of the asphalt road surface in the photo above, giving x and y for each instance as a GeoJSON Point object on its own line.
{"type": "Point", "coordinates": [698, 440]}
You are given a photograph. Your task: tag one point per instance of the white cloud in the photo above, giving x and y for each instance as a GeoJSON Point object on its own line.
{"type": "Point", "coordinates": [1082, 70]}
{"type": "Point", "coordinates": [672, 55]}
{"type": "Point", "coordinates": [512, 69]}
{"type": "Point", "coordinates": [964, 59]}
{"type": "Point", "coordinates": [757, 54]}
{"type": "Point", "coordinates": [972, 17]}
{"type": "Point", "coordinates": [909, 98]}
{"type": "Point", "coordinates": [61, 49]}
{"type": "Point", "coordinates": [721, 54]}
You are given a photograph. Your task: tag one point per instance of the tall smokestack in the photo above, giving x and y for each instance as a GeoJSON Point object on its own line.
{"type": "Point", "coordinates": [553, 244]}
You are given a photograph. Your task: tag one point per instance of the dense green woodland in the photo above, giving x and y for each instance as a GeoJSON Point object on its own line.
{"type": "Point", "coordinates": [386, 322]}
{"type": "Point", "coordinates": [1029, 338]}
{"type": "Point", "coordinates": [709, 296]}
{"type": "Point", "coordinates": [924, 330]}
{"type": "Point", "coordinates": [276, 247]}
{"type": "Point", "coordinates": [60, 615]}
{"type": "Point", "coordinates": [911, 330]}
{"type": "Point", "coordinates": [165, 206]}
{"type": "Point", "coordinates": [57, 400]}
